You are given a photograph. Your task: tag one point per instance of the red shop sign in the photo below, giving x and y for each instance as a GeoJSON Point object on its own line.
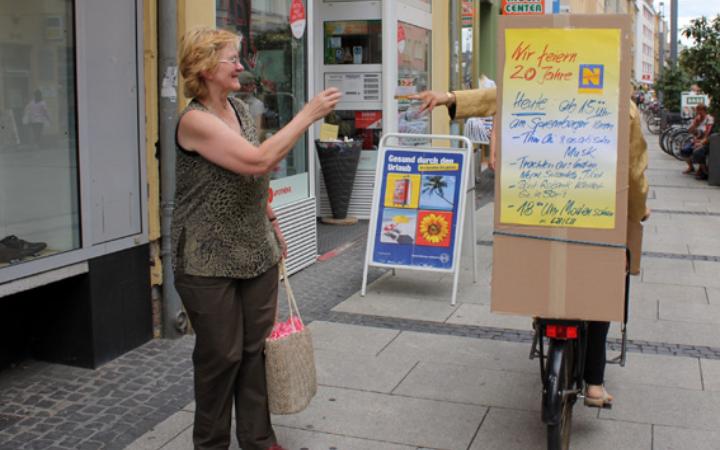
{"type": "Point", "coordinates": [297, 18]}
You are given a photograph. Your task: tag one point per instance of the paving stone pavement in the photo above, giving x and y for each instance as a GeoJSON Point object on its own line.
{"type": "Point", "coordinates": [370, 361]}
{"type": "Point", "coordinates": [49, 406]}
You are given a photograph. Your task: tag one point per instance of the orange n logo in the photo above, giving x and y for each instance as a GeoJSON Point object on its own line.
{"type": "Point", "coordinates": [591, 78]}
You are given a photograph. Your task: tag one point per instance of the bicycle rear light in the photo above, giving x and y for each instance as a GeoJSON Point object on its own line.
{"type": "Point", "coordinates": [561, 331]}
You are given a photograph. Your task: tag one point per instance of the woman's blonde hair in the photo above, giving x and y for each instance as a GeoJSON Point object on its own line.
{"type": "Point", "coordinates": [199, 49]}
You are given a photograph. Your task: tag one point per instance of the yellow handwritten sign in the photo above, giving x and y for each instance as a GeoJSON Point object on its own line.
{"type": "Point", "coordinates": [559, 127]}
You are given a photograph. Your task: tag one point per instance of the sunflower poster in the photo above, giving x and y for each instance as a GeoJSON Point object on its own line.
{"type": "Point", "coordinates": [417, 208]}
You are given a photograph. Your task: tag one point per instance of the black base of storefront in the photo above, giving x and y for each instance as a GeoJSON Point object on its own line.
{"type": "Point", "coordinates": [83, 321]}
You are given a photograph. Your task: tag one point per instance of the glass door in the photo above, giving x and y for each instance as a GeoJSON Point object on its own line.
{"type": "Point", "coordinates": [408, 42]}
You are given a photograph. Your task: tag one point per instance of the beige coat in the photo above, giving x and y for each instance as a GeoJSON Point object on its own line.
{"type": "Point", "coordinates": [482, 103]}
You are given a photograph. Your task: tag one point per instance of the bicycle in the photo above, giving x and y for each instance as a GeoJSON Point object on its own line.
{"type": "Point", "coordinates": [653, 117]}
{"type": "Point", "coordinates": [674, 139]}
{"type": "Point", "coordinates": [562, 368]}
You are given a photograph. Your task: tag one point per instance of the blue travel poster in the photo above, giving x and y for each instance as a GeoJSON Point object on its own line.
{"type": "Point", "coordinates": [418, 208]}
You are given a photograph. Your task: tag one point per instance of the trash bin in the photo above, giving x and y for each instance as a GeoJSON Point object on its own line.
{"type": "Point", "coordinates": [713, 160]}
{"type": "Point", "coordinates": [339, 161]}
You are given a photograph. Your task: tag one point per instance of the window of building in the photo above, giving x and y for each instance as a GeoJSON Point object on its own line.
{"type": "Point", "coordinates": [413, 77]}
{"type": "Point", "coordinates": [274, 81]}
{"type": "Point", "coordinates": [352, 42]}
{"type": "Point", "coordinates": [39, 199]}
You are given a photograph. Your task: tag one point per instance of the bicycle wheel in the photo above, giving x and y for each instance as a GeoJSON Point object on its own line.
{"type": "Point", "coordinates": [558, 400]}
{"type": "Point", "coordinates": [665, 140]}
{"type": "Point", "coordinates": [678, 141]}
{"type": "Point", "coordinates": [654, 124]}
{"type": "Point", "coordinates": [668, 137]}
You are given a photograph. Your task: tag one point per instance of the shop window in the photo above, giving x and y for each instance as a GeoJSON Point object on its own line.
{"type": "Point", "coordinates": [353, 42]}
{"type": "Point", "coordinates": [413, 77]}
{"type": "Point", "coordinates": [39, 202]}
{"type": "Point", "coordinates": [274, 80]}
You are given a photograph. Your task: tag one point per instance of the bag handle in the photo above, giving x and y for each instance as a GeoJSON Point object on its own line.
{"type": "Point", "coordinates": [292, 304]}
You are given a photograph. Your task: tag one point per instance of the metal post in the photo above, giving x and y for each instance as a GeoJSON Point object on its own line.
{"type": "Point", "coordinates": [174, 318]}
{"type": "Point", "coordinates": [661, 61]}
{"type": "Point", "coordinates": [673, 32]}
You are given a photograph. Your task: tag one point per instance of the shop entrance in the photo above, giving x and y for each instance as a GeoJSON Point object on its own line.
{"type": "Point", "coordinates": [377, 53]}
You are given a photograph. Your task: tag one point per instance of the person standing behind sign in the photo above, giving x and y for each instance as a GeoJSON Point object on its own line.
{"type": "Point", "coordinates": [226, 239]}
{"type": "Point", "coordinates": [482, 102]}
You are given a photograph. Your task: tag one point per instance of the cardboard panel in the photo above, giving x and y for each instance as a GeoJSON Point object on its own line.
{"type": "Point", "coordinates": [561, 274]}
{"type": "Point", "coordinates": [557, 280]}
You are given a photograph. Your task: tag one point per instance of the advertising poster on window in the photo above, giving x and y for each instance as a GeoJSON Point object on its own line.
{"type": "Point", "coordinates": [561, 92]}
{"type": "Point", "coordinates": [419, 207]}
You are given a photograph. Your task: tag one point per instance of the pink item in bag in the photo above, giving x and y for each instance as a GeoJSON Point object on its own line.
{"type": "Point", "coordinates": [283, 329]}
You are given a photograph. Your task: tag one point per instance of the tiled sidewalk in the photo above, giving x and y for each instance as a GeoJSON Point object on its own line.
{"type": "Point", "coordinates": [402, 369]}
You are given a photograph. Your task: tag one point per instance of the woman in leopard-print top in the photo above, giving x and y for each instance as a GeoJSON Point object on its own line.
{"type": "Point", "coordinates": [226, 239]}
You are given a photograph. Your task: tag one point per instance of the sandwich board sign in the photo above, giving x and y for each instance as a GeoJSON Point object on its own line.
{"type": "Point", "coordinates": [418, 209]}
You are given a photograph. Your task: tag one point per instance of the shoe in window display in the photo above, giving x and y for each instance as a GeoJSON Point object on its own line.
{"type": "Point", "coordinates": [23, 247]}
{"type": "Point", "coordinates": [9, 255]}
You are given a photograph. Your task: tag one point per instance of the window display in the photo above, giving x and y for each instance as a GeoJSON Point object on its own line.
{"type": "Point", "coordinates": [39, 204]}
{"type": "Point", "coordinates": [274, 80]}
{"type": "Point", "coordinates": [353, 42]}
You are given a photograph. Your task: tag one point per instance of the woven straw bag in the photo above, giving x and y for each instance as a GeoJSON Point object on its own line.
{"type": "Point", "coordinates": [290, 362]}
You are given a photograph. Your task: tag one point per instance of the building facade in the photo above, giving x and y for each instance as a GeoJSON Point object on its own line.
{"type": "Point", "coordinates": [79, 173]}
{"type": "Point", "coordinates": [74, 282]}
{"type": "Point", "coordinates": [644, 48]}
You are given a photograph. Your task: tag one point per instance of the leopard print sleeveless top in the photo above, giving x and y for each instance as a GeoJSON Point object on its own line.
{"type": "Point", "coordinates": [220, 227]}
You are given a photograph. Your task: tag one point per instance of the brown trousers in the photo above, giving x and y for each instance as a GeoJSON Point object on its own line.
{"type": "Point", "coordinates": [231, 319]}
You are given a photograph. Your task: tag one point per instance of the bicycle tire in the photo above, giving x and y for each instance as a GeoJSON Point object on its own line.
{"type": "Point", "coordinates": [557, 403]}
{"type": "Point", "coordinates": [654, 125]}
{"type": "Point", "coordinates": [679, 141]}
{"type": "Point", "coordinates": [665, 140]}
{"type": "Point", "coordinates": [667, 137]}
{"type": "Point", "coordinates": [662, 139]}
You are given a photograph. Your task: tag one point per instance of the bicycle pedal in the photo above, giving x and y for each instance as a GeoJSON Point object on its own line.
{"type": "Point", "coordinates": [607, 406]}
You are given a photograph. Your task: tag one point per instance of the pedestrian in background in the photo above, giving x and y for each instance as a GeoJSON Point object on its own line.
{"type": "Point", "coordinates": [226, 239]}
{"type": "Point", "coordinates": [36, 116]}
{"type": "Point", "coordinates": [248, 94]}
{"type": "Point", "coordinates": [482, 102]}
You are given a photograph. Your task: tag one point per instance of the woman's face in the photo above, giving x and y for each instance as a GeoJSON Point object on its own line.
{"type": "Point", "coordinates": [228, 68]}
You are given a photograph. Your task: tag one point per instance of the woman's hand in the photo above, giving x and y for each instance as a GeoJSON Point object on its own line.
{"type": "Point", "coordinates": [431, 99]}
{"type": "Point", "coordinates": [280, 238]}
{"type": "Point", "coordinates": [321, 105]}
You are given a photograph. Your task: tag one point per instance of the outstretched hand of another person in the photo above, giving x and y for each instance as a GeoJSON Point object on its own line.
{"type": "Point", "coordinates": [431, 99]}
{"type": "Point", "coordinates": [322, 104]}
